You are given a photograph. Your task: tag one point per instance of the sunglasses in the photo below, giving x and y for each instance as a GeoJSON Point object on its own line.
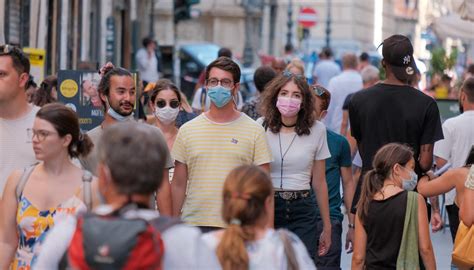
{"type": "Point", "coordinates": [288, 74]}
{"type": "Point", "coordinates": [318, 90]}
{"type": "Point", "coordinates": [161, 103]}
{"type": "Point", "coordinates": [9, 49]}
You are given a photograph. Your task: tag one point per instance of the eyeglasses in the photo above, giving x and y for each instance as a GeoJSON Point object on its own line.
{"type": "Point", "coordinates": [288, 74]}
{"type": "Point", "coordinates": [227, 83]}
{"type": "Point", "coordinates": [161, 103]}
{"type": "Point", "coordinates": [40, 134]}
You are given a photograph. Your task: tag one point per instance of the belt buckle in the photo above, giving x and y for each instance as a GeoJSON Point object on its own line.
{"type": "Point", "coordinates": [286, 195]}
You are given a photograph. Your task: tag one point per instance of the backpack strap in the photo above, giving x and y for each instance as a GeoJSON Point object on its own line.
{"type": "Point", "coordinates": [23, 179]}
{"type": "Point", "coordinates": [87, 188]}
{"type": "Point", "coordinates": [163, 223]}
{"type": "Point", "coordinates": [292, 263]}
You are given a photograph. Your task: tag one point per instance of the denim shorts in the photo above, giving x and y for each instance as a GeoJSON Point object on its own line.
{"type": "Point", "coordinates": [299, 217]}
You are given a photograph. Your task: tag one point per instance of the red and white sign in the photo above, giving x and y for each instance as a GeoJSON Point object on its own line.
{"type": "Point", "coordinates": [307, 17]}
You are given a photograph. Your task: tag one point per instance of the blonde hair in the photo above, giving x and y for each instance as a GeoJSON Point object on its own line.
{"type": "Point", "coordinates": [298, 64]}
{"type": "Point", "coordinates": [246, 189]}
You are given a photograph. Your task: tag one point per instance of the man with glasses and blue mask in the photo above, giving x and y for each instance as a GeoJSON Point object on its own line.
{"type": "Point", "coordinates": [208, 147]}
{"type": "Point", "coordinates": [16, 115]}
{"type": "Point", "coordinates": [118, 95]}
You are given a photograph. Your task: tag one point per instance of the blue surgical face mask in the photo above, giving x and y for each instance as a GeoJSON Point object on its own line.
{"type": "Point", "coordinates": [115, 115]}
{"type": "Point", "coordinates": [410, 184]}
{"type": "Point", "coordinates": [219, 95]}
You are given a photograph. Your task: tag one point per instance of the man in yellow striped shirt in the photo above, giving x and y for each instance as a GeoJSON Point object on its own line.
{"type": "Point", "coordinates": [211, 145]}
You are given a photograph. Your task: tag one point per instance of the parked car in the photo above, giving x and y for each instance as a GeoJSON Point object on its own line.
{"type": "Point", "coordinates": [195, 57]}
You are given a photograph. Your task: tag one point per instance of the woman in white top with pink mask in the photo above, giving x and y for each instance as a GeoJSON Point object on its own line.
{"type": "Point", "coordinates": [299, 147]}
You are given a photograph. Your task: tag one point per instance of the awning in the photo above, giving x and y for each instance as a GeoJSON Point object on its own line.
{"type": "Point", "coordinates": [465, 8]}
{"type": "Point", "coordinates": [453, 26]}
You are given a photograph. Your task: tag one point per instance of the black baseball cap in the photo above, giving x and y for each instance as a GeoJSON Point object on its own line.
{"type": "Point", "coordinates": [397, 52]}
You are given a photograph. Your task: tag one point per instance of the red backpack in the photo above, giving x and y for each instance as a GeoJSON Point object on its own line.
{"type": "Point", "coordinates": [116, 242]}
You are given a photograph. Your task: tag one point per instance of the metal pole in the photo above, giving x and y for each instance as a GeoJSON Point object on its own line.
{"type": "Point", "coordinates": [152, 19]}
{"type": "Point", "coordinates": [328, 24]}
{"type": "Point", "coordinates": [248, 50]}
{"type": "Point", "coordinates": [290, 23]}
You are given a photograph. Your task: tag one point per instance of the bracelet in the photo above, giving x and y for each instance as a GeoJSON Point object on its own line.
{"type": "Point", "coordinates": [470, 179]}
{"type": "Point", "coordinates": [351, 226]}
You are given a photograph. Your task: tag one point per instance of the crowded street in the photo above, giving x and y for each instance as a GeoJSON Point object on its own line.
{"type": "Point", "coordinates": [256, 134]}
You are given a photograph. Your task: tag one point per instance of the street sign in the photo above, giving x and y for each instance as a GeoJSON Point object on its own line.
{"type": "Point", "coordinates": [308, 17]}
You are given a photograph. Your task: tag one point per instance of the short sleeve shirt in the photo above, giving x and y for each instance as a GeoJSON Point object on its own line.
{"type": "Point", "coordinates": [458, 140]}
{"type": "Point", "coordinates": [386, 113]}
{"type": "Point", "coordinates": [211, 150]}
{"type": "Point", "coordinates": [269, 251]}
{"type": "Point", "coordinates": [299, 154]}
{"type": "Point", "coordinates": [16, 149]}
{"type": "Point", "coordinates": [91, 161]}
{"type": "Point", "coordinates": [340, 157]}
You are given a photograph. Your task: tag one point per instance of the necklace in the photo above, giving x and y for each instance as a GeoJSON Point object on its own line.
{"type": "Point", "coordinates": [282, 155]}
{"type": "Point", "coordinates": [290, 126]}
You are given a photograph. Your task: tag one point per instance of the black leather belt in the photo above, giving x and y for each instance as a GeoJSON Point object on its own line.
{"type": "Point", "coordinates": [292, 195]}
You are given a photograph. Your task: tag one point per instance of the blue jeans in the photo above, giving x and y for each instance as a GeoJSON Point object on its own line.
{"type": "Point", "coordinates": [332, 260]}
{"type": "Point", "coordinates": [299, 217]}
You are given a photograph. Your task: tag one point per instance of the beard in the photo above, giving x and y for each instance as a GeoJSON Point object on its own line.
{"type": "Point", "coordinates": [120, 110]}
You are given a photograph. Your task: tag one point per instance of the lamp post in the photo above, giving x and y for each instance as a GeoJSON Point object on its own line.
{"type": "Point", "coordinates": [248, 50]}
{"type": "Point", "coordinates": [328, 24]}
{"type": "Point", "coordinates": [289, 23]}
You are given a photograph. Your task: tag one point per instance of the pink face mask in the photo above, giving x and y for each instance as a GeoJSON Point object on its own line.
{"type": "Point", "coordinates": [288, 107]}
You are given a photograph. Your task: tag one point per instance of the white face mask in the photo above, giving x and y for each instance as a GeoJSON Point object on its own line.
{"type": "Point", "coordinates": [115, 115]}
{"type": "Point", "coordinates": [166, 115]}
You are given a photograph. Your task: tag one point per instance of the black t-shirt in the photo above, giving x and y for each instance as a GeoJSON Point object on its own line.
{"type": "Point", "coordinates": [345, 106]}
{"type": "Point", "coordinates": [386, 113]}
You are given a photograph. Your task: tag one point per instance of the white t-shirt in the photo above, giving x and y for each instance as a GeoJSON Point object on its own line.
{"type": "Point", "coordinates": [184, 248]}
{"type": "Point", "coordinates": [147, 66]}
{"type": "Point", "coordinates": [268, 252]}
{"type": "Point", "coordinates": [357, 160]}
{"type": "Point", "coordinates": [325, 70]}
{"type": "Point", "coordinates": [458, 140]}
{"type": "Point", "coordinates": [16, 150]}
{"type": "Point", "coordinates": [197, 101]}
{"type": "Point", "coordinates": [299, 158]}
{"type": "Point", "coordinates": [348, 82]}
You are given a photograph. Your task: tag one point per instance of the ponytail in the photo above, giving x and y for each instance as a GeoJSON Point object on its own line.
{"type": "Point", "coordinates": [371, 184]}
{"type": "Point", "coordinates": [82, 147]}
{"type": "Point", "coordinates": [384, 160]}
{"type": "Point", "coordinates": [245, 191]}
{"type": "Point", "coordinates": [231, 250]}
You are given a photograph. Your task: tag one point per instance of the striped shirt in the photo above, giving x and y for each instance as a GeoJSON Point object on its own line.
{"type": "Point", "coordinates": [211, 150]}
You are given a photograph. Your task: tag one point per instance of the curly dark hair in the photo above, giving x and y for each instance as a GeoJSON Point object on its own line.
{"type": "Point", "coordinates": [271, 113]}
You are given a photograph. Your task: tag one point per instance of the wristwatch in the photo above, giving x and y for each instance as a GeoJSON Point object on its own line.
{"type": "Point", "coordinates": [351, 226]}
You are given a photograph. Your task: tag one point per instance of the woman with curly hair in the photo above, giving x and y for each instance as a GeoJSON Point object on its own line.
{"type": "Point", "coordinates": [299, 147]}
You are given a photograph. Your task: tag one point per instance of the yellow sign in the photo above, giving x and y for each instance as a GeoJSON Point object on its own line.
{"type": "Point", "coordinates": [68, 88]}
{"type": "Point", "coordinates": [37, 59]}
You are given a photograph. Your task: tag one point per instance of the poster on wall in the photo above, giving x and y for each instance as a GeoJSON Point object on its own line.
{"type": "Point", "coordinates": [79, 91]}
